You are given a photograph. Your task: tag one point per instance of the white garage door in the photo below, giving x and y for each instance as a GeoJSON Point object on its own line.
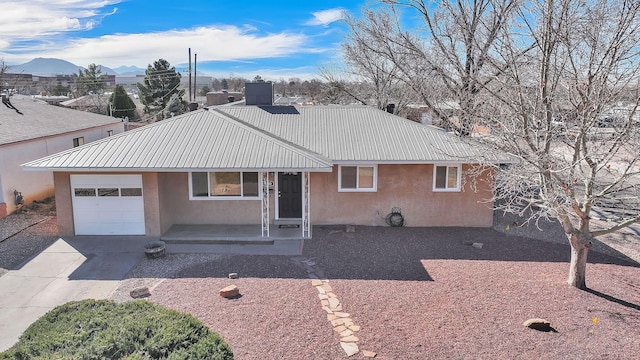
{"type": "Point", "coordinates": [107, 204]}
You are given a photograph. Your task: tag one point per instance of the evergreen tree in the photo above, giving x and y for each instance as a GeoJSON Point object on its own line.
{"type": "Point", "coordinates": [89, 80]}
{"type": "Point", "coordinates": [161, 82]}
{"type": "Point", "coordinates": [121, 104]}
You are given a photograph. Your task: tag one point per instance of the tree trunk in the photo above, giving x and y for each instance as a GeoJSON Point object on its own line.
{"type": "Point", "coordinates": [578, 265]}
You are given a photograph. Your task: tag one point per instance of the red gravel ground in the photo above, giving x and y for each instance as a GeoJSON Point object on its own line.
{"type": "Point", "coordinates": [419, 293]}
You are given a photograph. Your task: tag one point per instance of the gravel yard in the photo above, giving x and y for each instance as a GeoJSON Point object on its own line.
{"type": "Point", "coordinates": [413, 293]}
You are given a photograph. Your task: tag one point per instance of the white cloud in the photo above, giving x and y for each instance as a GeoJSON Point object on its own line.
{"type": "Point", "coordinates": [326, 17]}
{"type": "Point", "coordinates": [33, 18]}
{"type": "Point", "coordinates": [211, 43]}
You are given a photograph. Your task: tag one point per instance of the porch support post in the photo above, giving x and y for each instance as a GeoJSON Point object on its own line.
{"type": "Point", "coordinates": [306, 206]}
{"type": "Point", "coordinates": [265, 204]}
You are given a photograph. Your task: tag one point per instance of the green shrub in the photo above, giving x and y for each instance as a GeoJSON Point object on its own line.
{"type": "Point", "coordinates": [102, 329]}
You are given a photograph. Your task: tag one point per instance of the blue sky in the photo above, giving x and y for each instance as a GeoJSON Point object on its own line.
{"type": "Point", "coordinates": [273, 39]}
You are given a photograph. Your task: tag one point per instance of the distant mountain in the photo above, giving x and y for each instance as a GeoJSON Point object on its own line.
{"type": "Point", "coordinates": [45, 67]}
{"type": "Point", "coordinates": [52, 67]}
{"type": "Point", "coordinates": [129, 70]}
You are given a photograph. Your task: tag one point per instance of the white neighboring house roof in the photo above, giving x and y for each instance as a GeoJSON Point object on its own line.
{"type": "Point", "coordinates": [273, 138]}
{"type": "Point", "coordinates": [197, 141]}
{"type": "Point", "coordinates": [35, 119]}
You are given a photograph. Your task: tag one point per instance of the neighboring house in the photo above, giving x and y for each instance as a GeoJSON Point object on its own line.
{"type": "Point", "coordinates": [223, 97]}
{"type": "Point", "coordinates": [95, 103]}
{"type": "Point", "coordinates": [296, 100]}
{"type": "Point", "coordinates": [31, 129]}
{"type": "Point", "coordinates": [266, 165]}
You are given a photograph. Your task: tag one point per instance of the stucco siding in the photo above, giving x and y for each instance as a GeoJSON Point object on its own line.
{"type": "Point", "coordinates": [64, 207]}
{"type": "Point", "coordinates": [178, 209]}
{"type": "Point", "coordinates": [151, 198]}
{"type": "Point", "coordinates": [409, 187]}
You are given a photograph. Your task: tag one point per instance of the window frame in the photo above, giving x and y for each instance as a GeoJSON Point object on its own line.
{"type": "Point", "coordinates": [358, 188]}
{"type": "Point", "coordinates": [79, 141]}
{"type": "Point", "coordinates": [458, 187]}
{"type": "Point", "coordinates": [218, 197]}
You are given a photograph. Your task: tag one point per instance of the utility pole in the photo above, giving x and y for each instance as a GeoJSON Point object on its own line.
{"type": "Point", "coordinates": [189, 74]}
{"type": "Point", "coordinates": [195, 75]}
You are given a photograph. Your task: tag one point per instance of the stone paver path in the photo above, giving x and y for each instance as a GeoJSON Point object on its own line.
{"type": "Point", "coordinates": [341, 321]}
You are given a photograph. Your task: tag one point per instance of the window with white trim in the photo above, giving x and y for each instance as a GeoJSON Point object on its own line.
{"type": "Point", "coordinates": [356, 178]}
{"type": "Point", "coordinates": [224, 185]}
{"type": "Point", "coordinates": [447, 177]}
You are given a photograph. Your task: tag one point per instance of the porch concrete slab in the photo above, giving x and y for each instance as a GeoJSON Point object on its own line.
{"type": "Point", "coordinates": [233, 233]}
{"type": "Point", "coordinates": [70, 269]}
{"type": "Point", "coordinates": [279, 247]}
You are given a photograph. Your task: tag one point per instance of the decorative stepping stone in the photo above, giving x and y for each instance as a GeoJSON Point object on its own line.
{"type": "Point", "coordinates": [354, 328]}
{"type": "Point", "coordinates": [324, 303]}
{"type": "Point", "coordinates": [345, 333]}
{"type": "Point", "coordinates": [327, 288]}
{"type": "Point", "coordinates": [350, 338]}
{"type": "Point", "coordinates": [329, 311]}
{"type": "Point", "coordinates": [342, 315]}
{"type": "Point", "coordinates": [323, 296]}
{"type": "Point", "coordinates": [369, 354]}
{"type": "Point", "coordinates": [331, 317]}
{"type": "Point", "coordinates": [350, 348]}
{"type": "Point", "coordinates": [333, 302]}
{"type": "Point", "coordinates": [321, 290]}
{"type": "Point", "coordinates": [340, 329]}
{"type": "Point", "coordinates": [316, 282]}
{"type": "Point", "coordinates": [337, 322]}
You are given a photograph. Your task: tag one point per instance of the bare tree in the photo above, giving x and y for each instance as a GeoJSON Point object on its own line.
{"type": "Point", "coordinates": [550, 106]}
{"type": "Point", "coordinates": [367, 77]}
{"type": "Point", "coordinates": [448, 58]}
{"type": "Point", "coordinates": [557, 82]}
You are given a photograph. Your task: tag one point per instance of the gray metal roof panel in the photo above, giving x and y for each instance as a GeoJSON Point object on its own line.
{"type": "Point", "coordinates": [197, 140]}
{"type": "Point", "coordinates": [362, 133]}
{"type": "Point", "coordinates": [41, 120]}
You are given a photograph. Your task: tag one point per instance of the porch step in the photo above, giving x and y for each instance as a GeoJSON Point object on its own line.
{"type": "Point", "coordinates": [287, 222]}
{"type": "Point", "coordinates": [213, 241]}
{"type": "Point", "coordinates": [279, 247]}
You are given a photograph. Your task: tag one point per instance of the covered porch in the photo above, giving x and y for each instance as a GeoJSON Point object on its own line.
{"type": "Point", "coordinates": [229, 234]}
{"type": "Point", "coordinates": [233, 239]}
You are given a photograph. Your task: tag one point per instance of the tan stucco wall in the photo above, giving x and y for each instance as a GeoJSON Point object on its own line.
{"type": "Point", "coordinates": [151, 198]}
{"type": "Point", "coordinates": [166, 202]}
{"type": "Point", "coordinates": [64, 208]}
{"type": "Point", "coordinates": [176, 208]}
{"type": "Point", "coordinates": [409, 187]}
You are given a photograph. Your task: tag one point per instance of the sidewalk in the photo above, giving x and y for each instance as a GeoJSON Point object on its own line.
{"type": "Point", "coordinates": [72, 269]}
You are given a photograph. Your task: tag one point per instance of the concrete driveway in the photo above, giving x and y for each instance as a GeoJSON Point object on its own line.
{"type": "Point", "coordinates": [76, 268]}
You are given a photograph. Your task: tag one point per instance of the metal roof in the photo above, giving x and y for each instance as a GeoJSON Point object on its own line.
{"type": "Point", "coordinates": [37, 119]}
{"type": "Point", "coordinates": [275, 138]}
{"type": "Point", "coordinates": [362, 134]}
{"type": "Point", "coordinates": [199, 140]}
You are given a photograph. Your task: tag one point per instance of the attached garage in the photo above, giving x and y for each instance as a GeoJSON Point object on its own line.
{"type": "Point", "coordinates": [107, 204]}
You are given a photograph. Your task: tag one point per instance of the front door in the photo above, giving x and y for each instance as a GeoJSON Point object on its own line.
{"type": "Point", "coordinates": [290, 195]}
